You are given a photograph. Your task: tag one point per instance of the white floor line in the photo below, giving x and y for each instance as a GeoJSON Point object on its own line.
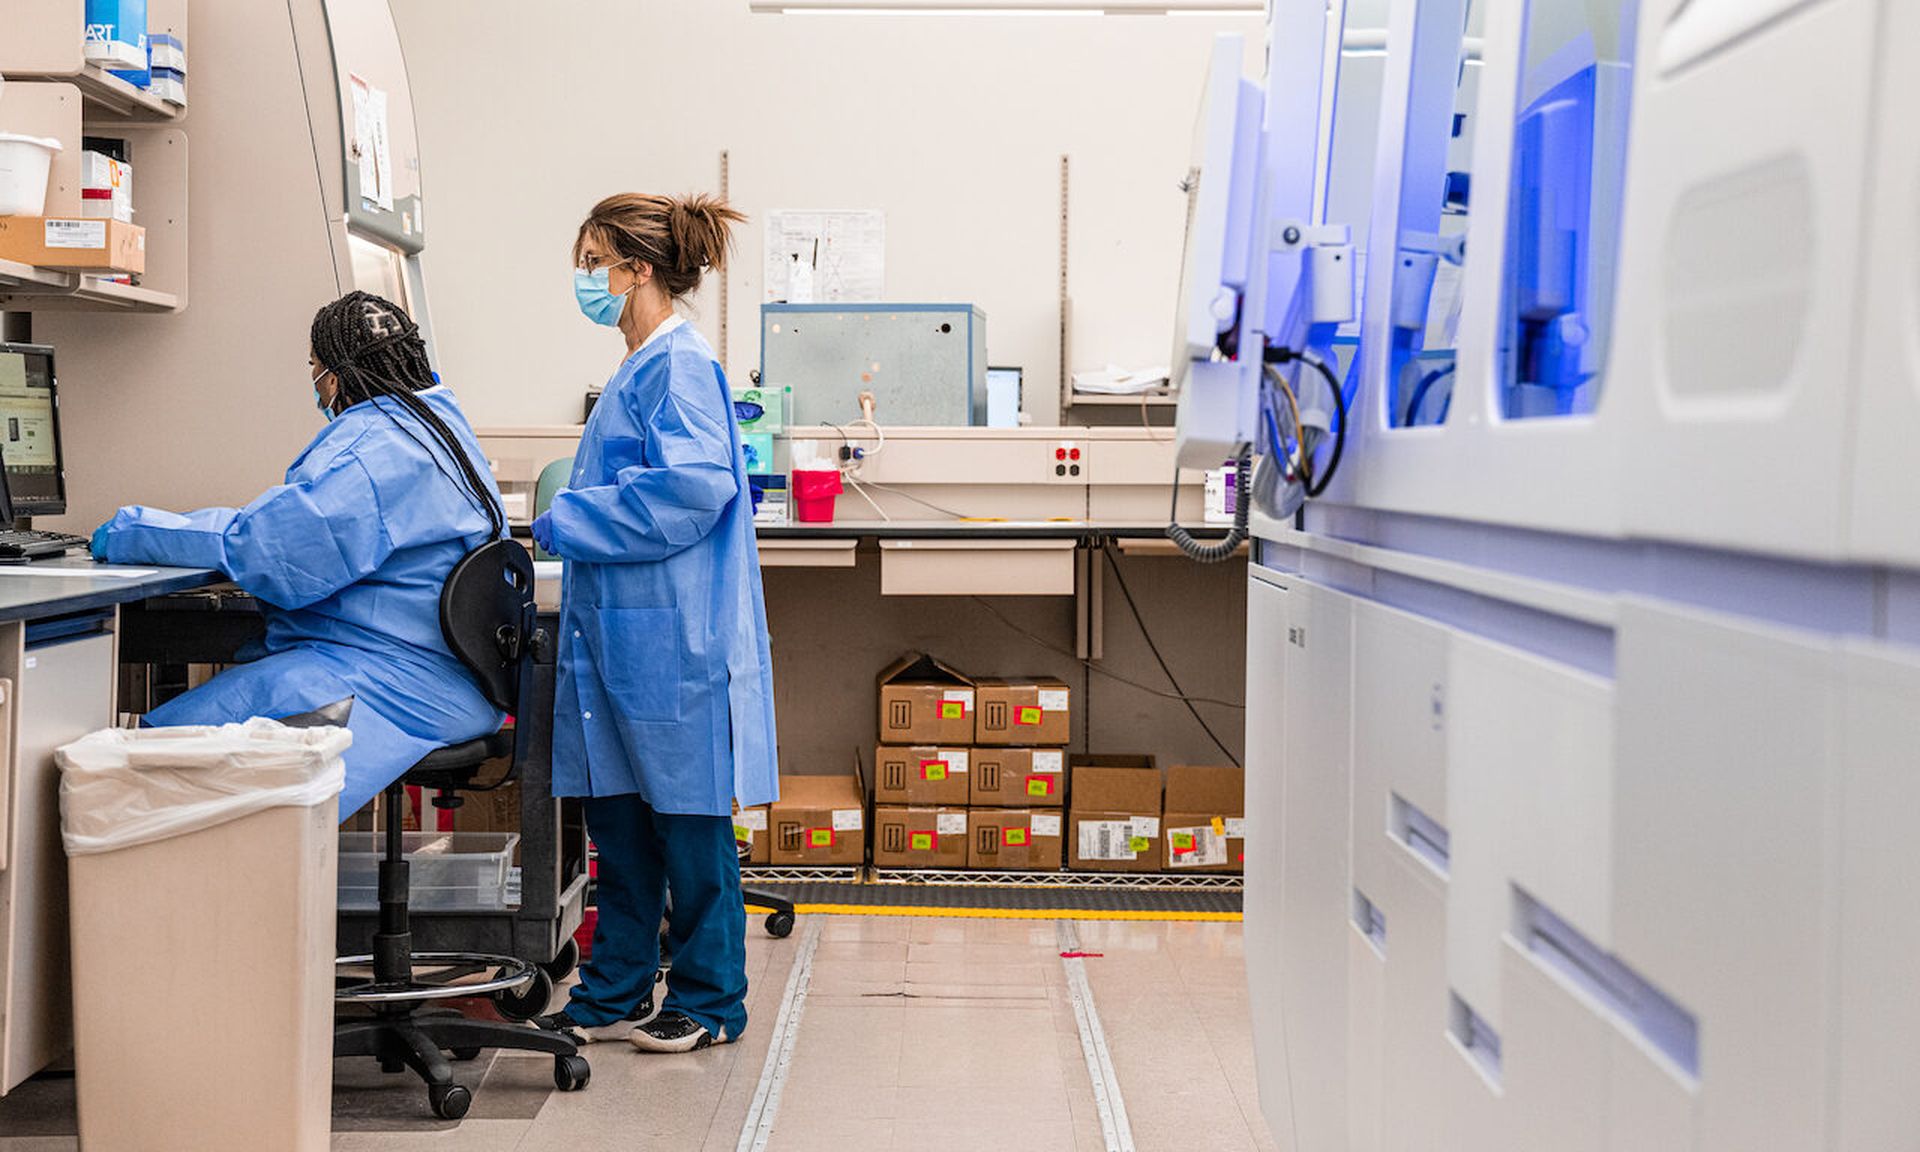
{"type": "Point", "coordinates": [1093, 1043]}
{"type": "Point", "coordinates": [757, 1129]}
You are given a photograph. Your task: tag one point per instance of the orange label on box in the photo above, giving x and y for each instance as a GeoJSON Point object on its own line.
{"type": "Point", "coordinates": [1219, 826]}
{"type": "Point", "coordinates": [933, 769]}
{"type": "Point", "coordinates": [921, 841]}
{"type": "Point", "coordinates": [1029, 715]}
{"type": "Point", "coordinates": [1039, 785]}
{"type": "Point", "coordinates": [1014, 837]}
{"type": "Point", "coordinates": [953, 710]}
{"type": "Point", "coordinates": [819, 837]}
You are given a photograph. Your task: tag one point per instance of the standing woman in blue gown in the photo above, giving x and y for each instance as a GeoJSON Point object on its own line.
{"type": "Point", "coordinates": [664, 710]}
{"type": "Point", "coordinates": [348, 556]}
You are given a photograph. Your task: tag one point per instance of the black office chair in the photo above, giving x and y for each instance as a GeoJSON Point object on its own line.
{"type": "Point", "coordinates": [487, 617]}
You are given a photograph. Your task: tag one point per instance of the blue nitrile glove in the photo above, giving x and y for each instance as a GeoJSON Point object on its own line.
{"type": "Point", "coordinates": [99, 545]}
{"type": "Point", "coordinates": [543, 532]}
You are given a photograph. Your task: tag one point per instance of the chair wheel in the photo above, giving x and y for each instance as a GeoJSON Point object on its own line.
{"type": "Point", "coordinates": [780, 925]}
{"type": "Point", "coordinates": [571, 1073]}
{"type": "Point", "coordinates": [465, 1054]}
{"type": "Point", "coordinates": [449, 1101]}
{"type": "Point", "coordinates": [563, 965]}
{"type": "Point", "coordinates": [527, 1001]}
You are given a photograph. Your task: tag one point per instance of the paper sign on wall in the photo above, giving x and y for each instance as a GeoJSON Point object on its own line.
{"type": "Point", "coordinates": [846, 250]}
{"type": "Point", "coordinates": [370, 145]}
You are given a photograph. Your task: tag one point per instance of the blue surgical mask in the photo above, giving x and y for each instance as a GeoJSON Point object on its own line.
{"type": "Point", "coordinates": [325, 408]}
{"type": "Point", "coordinates": [597, 301]}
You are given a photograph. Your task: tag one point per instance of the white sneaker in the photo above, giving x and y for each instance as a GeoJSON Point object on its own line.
{"type": "Point", "coordinates": [675, 1032]}
{"type": "Point", "coordinates": [566, 1025]}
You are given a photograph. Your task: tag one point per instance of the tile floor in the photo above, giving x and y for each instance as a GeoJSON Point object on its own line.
{"type": "Point", "coordinates": [917, 1033]}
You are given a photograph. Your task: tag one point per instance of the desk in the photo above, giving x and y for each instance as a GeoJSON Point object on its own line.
{"type": "Point", "coordinates": [59, 630]}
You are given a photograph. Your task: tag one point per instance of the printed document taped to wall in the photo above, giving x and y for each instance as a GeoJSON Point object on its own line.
{"type": "Point", "coordinates": [846, 247]}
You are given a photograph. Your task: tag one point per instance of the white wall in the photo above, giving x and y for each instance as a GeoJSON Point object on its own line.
{"type": "Point", "coordinates": [954, 125]}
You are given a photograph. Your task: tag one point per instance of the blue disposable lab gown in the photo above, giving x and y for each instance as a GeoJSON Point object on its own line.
{"type": "Point", "coordinates": [348, 557]}
{"type": "Point", "coordinates": [665, 683]}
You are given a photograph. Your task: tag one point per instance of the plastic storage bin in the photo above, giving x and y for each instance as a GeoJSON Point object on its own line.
{"type": "Point", "coordinates": [25, 162]}
{"type": "Point", "coordinates": [450, 871]}
{"type": "Point", "coordinates": [201, 878]}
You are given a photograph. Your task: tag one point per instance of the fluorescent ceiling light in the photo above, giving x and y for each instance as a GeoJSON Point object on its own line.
{"type": "Point", "coordinates": [1008, 7]}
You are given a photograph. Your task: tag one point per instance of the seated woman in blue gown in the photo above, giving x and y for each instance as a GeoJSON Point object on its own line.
{"type": "Point", "coordinates": [348, 557]}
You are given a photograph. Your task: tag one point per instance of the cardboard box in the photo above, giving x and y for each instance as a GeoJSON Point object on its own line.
{"type": "Point", "coordinates": [1114, 822]}
{"type": "Point", "coordinates": [1203, 827]}
{"type": "Point", "coordinates": [751, 833]}
{"type": "Point", "coordinates": [928, 837]}
{"type": "Point", "coordinates": [1014, 839]}
{"type": "Point", "coordinates": [71, 243]}
{"type": "Point", "coordinates": [1031, 712]}
{"type": "Point", "coordinates": [921, 775]}
{"type": "Point", "coordinates": [1019, 777]}
{"type": "Point", "coordinates": [923, 701]}
{"type": "Point", "coordinates": [819, 820]}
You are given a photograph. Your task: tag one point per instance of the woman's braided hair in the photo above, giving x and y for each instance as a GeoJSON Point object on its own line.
{"type": "Point", "coordinates": [374, 351]}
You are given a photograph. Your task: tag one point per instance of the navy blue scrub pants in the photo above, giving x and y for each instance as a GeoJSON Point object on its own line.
{"type": "Point", "coordinates": [643, 853]}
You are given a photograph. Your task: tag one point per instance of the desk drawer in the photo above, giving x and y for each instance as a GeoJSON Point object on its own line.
{"type": "Point", "coordinates": [976, 567]}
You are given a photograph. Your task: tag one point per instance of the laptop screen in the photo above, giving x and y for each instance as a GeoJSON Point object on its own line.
{"type": "Point", "coordinates": [30, 431]}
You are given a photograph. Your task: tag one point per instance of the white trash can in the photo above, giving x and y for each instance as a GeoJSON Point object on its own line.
{"type": "Point", "coordinates": [202, 880]}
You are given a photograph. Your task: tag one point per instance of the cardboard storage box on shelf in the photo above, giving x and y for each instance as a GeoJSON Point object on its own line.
{"type": "Point", "coordinates": [924, 837]}
{"type": "Point", "coordinates": [819, 820]}
{"type": "Point", "coordinates": [74, 244]}
{"type": "Point", "coordinates": [1014, 839]}
{"type": "Point", "coordinates": [921, 774]}
{"type": "Point", "coordinates": [1113, 824]}
{"type": "Point", "coordinates": [751, 834]}
{"type": "Point", "coordinates": [1032, 712]}
{"type": "Point", "coordinates": [1203, 828]}
{"type": "Point", "coordinates": [923, 701]}
{"type": "Point", "coordinates": [106, 188]}
{"type": "Point", "coordinates": [1019, 777]}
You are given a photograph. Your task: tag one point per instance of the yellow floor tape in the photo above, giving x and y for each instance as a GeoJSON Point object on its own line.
{"type": "Point", "coordinates": [1009, 913]}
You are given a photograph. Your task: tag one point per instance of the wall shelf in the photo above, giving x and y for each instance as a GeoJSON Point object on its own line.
{"type": "Point", "coordinates": [1102, 400]}
{"type": "Point", "coordinates": [28, 289]}
{"type": "Point", "coordinates": [110, 99]}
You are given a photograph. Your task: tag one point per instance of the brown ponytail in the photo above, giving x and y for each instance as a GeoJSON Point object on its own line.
{"type": "Point", "coordinates": [681, 238]}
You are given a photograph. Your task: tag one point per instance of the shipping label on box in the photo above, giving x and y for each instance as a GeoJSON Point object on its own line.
{"type": "Point", "coordinates": [1109, 840]}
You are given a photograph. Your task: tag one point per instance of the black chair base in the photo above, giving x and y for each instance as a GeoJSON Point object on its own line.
{"type": "Point", "coordinates": [779, 910]}
{"type": "Point", "coordinates": [422, 1041]}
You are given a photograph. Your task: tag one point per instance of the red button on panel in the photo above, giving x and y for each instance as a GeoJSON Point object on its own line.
{"type": "Point", "coordinates": [1059, 453]}
{"type": "Point", "coordinates": [1074, 455]}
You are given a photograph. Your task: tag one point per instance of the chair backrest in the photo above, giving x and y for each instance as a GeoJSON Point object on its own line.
{"type": "Point", "coordinates": [552, 478]}
{"type": "Point", "coordinates": [487, 617]}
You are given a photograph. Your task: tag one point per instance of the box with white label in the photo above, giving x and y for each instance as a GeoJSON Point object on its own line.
{"type": "Point", "coordinates": [1031, 712]}
{"type": "Point", "coordinates": [919, 837]}
{"type": "Point", "coordinates": [106, 188]}
{"type": "Point", "coordinates": [818, 820]}
{"type": "Point", "coordinates": [76, 244]}
{"type": "Point", "coordinates": [921, 774]}
{"type": "Point", "coordinates": [1019, 777]}
{"type": "Point", "coordinates": [1014, 839]}
{"type": "Point", "coordinates": [750, 830]}
{"type": "Point", "coordinates": [1204, 824]}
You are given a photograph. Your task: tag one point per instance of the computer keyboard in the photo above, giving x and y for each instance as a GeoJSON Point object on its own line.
{"type": "Point", "coordinates": [16, 544]}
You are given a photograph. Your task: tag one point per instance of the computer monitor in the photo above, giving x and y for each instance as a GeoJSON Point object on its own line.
{"type": "Point", "coordinates": [30, 431]}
